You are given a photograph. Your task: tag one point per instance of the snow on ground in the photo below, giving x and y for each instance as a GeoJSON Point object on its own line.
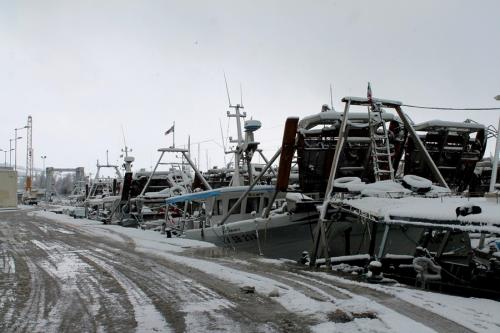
{"type": "Point", "coordinates": [147, 316]}
{"type": "Point", "coordinates": [65, 265]}
{"type": "Point", "coordinates": [275, 261]}
{"type": "Point", "coordinates": [19, 207]}
{"type": "Point", "coordinates": [149, 241]}
{"type": "Point", "coordinates": [8, 270]}
{"type": "Point", "coordinates": [477, 314]}
{"type": "Point", "coordinates": [297, 302]}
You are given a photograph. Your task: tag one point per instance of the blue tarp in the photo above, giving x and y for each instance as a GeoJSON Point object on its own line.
{"type": "Point", "coordinates": [214, 193]}
{"type": "Point", "coordinates": [193, 196]}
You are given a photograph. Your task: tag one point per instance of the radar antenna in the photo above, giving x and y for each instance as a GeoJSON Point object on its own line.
{"type": "Point", "coordinates": [227, 90]}
{"type": "Point", "coordinates": [241, 96]}
{"type": "Point", "coordinates": [331, 97]}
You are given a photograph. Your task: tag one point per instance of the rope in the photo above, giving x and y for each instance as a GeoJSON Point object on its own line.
{"type": "Point", "coordinates": [430, 256]}
{"type": "Point", "coordinates": [443, 108]}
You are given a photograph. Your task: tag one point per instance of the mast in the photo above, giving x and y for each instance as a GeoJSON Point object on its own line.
{"type": "Point", "coordinates": [246, 145]}
{"type": "Point", "coordinates": [29, 154]}
{"type": "Point", "coordinates": [239, 142]}
{"type": "Point", "coordinates": [493, 180]}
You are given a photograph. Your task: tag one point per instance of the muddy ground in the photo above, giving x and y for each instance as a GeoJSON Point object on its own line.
{"type": "Point", "coordinates": [56, 278]}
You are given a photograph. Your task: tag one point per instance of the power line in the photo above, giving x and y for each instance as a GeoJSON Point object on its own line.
{"type": "Point", "coordinates": [443, 108]}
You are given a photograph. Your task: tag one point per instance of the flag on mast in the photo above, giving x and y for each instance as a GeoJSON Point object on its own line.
{"type": "Point", "coordinates": [170, 130]}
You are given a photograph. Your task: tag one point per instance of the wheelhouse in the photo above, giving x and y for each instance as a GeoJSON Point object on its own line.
{"type": "Point", "coordinates": [218, 202]}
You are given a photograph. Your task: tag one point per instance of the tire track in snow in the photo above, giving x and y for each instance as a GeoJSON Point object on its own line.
{"type": "Point", "coordinates": [8, 283]}
{"type": "Point", "coordinates": [33, 309]}
{"type": "Point", "coordinates": [146, 315]}
{"type": "Point", "coordinates": [199, 301]}
{"type": "Point", "coordinates": [54, 296]}
{"type": "Point", "coordinates": [203, 308]}
{"type": "Point", "coordinates": [65, 268]}
{"type": "Point", "coordinates": [318, 291]}
{"type": "Point", "coordinates": [85, 299]}
{"type": "Point", "coordinates": [327, 283]}
{"type": "Point", "coordinates": [321, 292]}
{"type": "Point", "coordinates": [420, 315]}
{"type": "Point", "coordinates": [187, 305]}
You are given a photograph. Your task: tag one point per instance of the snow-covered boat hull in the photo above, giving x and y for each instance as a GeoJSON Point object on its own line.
{"type": "Point", "coordinates": [284, 236]}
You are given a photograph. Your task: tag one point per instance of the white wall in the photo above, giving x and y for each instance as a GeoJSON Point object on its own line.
{"type": "Point", "coordinates": [8, 188]}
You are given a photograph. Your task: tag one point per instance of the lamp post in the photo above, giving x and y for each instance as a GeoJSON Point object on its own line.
{"type": "Point", "coordinates": [494, 168]}
{"type": "Point", "coordinates": [44, 179]}
{"type": "Point", "coordinates": [4, 156]}
{"type": "Point", "coordinates": [43, 161]}
{"type": "Point", "coordinates": [43, 157]}
{"type": "Point", "coordinates": [10, 152]}
{"type": "Point", "coordinates": [15, 151]}
{"type": "Point", "coordinates": [15, 145]}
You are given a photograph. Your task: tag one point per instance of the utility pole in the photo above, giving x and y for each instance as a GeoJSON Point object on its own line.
{"type": "Point", "coordinates": [43, 163]}
{"type": "Point", "coordinates": [44, 182]}
{"type": "Point", "coordinates": [10, 152]}
{"type": "Point", "coordinates": [15, 144]}
{"type": "Point", "coordinates": [29, 154]}
{"type": "Point", "coordinates": [5, 157]}
{"type": "Point", "coordinates": [15, 150]}
{"type": "Point", "coordinates": [494, 169]}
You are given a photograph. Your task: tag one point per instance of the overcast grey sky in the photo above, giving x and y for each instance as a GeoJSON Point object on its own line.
{"type": "Point", "coordinates": [83, 69]}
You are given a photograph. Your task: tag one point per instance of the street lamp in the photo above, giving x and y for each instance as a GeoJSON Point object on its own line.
{"type": "Point", "coordinates": [15, 151]}
{"type": "Point", "coordinates": [494, 169]}
{"type": "Point", "coordinates": [15, 145]}
{"type": "Point", "coordinates": [11, 149]}
{"type": "Point", "coordinates": [43, 162]}
{"type": "Point", "coordinates": [44, 179]}
{"type": "Point", "coordinates": [4, 156]}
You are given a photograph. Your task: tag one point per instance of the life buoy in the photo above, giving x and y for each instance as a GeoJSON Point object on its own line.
{"type": "Point", "coordinates": [417, 184]}
{"type": "Point", "coordinates": [177, 190]}
{"type": "Point", "coordinates": [344, 181]}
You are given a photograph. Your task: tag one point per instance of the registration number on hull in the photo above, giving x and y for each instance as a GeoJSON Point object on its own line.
{"type": "Point", "coordinates": [246, 237]}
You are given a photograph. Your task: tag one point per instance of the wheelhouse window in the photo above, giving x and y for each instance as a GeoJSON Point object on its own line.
{"type": "Point", "coordinates": [265, 202]}
{"type": "Point", "coordinates": [231, 204]}
{"type": "Point", "coordinates": [252, 205]}
{"type": "Point", "coordinates": [219, 208]}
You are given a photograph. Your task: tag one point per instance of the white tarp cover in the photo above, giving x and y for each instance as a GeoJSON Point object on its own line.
{"type": "Point", "coordinates": [437, 209]}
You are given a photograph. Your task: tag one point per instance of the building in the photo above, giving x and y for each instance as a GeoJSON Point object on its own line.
{"type": "Point", "coordinates": [8, 188]}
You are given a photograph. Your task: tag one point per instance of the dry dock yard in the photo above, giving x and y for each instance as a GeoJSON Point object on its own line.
{"type": "Point", "coordinates": [59, 274]}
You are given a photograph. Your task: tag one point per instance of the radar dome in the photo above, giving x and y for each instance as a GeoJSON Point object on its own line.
{"type": "Point", "coordinates": [252, 125]}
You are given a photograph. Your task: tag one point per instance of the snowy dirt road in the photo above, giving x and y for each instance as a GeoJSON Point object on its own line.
{"type": "Point", "coordinates": [76, 276]}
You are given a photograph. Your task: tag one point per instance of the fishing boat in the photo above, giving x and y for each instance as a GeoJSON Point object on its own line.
{"type": "Point", "coordinates": [103, 192]}
{"type": "Point", "coordinates": [255, 217]}
{"type": "Point", "coordinates": [227, 221]}
{"type": "Point", "coordinates": [414, 227]}
{"type": "Point", "coordinates": [365, 153]}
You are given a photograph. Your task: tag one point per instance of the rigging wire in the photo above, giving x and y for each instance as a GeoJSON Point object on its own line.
{"type": "Point", "coordinates": [447, 108]}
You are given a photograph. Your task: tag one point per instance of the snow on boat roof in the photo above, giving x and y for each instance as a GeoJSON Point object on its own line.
{"type": "Point", "coordinates": [366, 101]}
{"type": "Point", "coordinates": [218, 191]}
{"type": "Point", "coordinates": [332, 117]}
{"type": "Point", "coordinates": [439, 210]}
{"type": "Point", "coordinates": [448, 124]}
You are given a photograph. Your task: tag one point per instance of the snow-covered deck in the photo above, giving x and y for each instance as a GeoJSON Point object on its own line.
{"type": "Point", "coordinates": [440, 210]}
